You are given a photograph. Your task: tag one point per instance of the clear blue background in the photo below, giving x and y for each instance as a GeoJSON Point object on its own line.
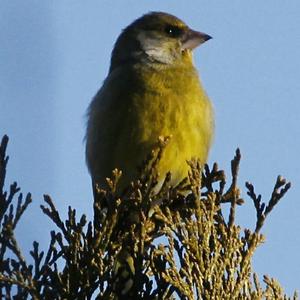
{"type": "Point", "coordinates": [54, 56]}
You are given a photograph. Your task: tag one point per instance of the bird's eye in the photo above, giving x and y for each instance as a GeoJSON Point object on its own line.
{"type": "Point", "coordinates": [173, 31]}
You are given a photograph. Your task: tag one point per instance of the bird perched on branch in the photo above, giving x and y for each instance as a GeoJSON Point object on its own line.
{"type": "Point", "coordinates": [152, 90]}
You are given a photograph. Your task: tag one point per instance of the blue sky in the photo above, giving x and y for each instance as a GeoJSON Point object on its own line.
{"type": "Point", "coordinates": [54, 56]}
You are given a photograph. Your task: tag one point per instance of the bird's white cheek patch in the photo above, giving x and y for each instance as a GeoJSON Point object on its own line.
{"type": "Point", "coordinates": [154, 48]}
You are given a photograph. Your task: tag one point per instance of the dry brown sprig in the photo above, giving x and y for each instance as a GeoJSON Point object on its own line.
{"type": "Point", "coordinates": [280, 188]}
{"type": "Point", "coordinates": [145, 245]}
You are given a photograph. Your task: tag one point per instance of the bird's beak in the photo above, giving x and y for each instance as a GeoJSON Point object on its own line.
{"type": "Point", "coordinates": [192, 39]}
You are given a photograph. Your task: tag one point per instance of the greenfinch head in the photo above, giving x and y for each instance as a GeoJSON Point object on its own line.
{"type": "Point", "coordinates": [152, 90]}
{"type": "Point", "coordinates": [156, 37]}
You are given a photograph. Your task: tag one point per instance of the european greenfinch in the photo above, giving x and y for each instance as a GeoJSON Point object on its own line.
{"type": "Point", "coordinates": [152, 90]}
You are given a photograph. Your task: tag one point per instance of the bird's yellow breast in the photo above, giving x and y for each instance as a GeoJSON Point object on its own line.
{"type": "Point", "coordinates": [143, 104]}
{"type": "Point", "coordinates": [176, 106]}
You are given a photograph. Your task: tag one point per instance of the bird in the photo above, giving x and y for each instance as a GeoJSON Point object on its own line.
{"type": "Point", "coordinates": [152, 90]}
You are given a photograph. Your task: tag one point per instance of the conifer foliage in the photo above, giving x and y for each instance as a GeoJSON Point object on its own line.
{"type": "Point", "coordinates": [173, 244]}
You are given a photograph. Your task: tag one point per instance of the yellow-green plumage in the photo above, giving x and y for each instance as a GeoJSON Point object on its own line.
{"type": "Point", "coordinates": [144, 98]}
